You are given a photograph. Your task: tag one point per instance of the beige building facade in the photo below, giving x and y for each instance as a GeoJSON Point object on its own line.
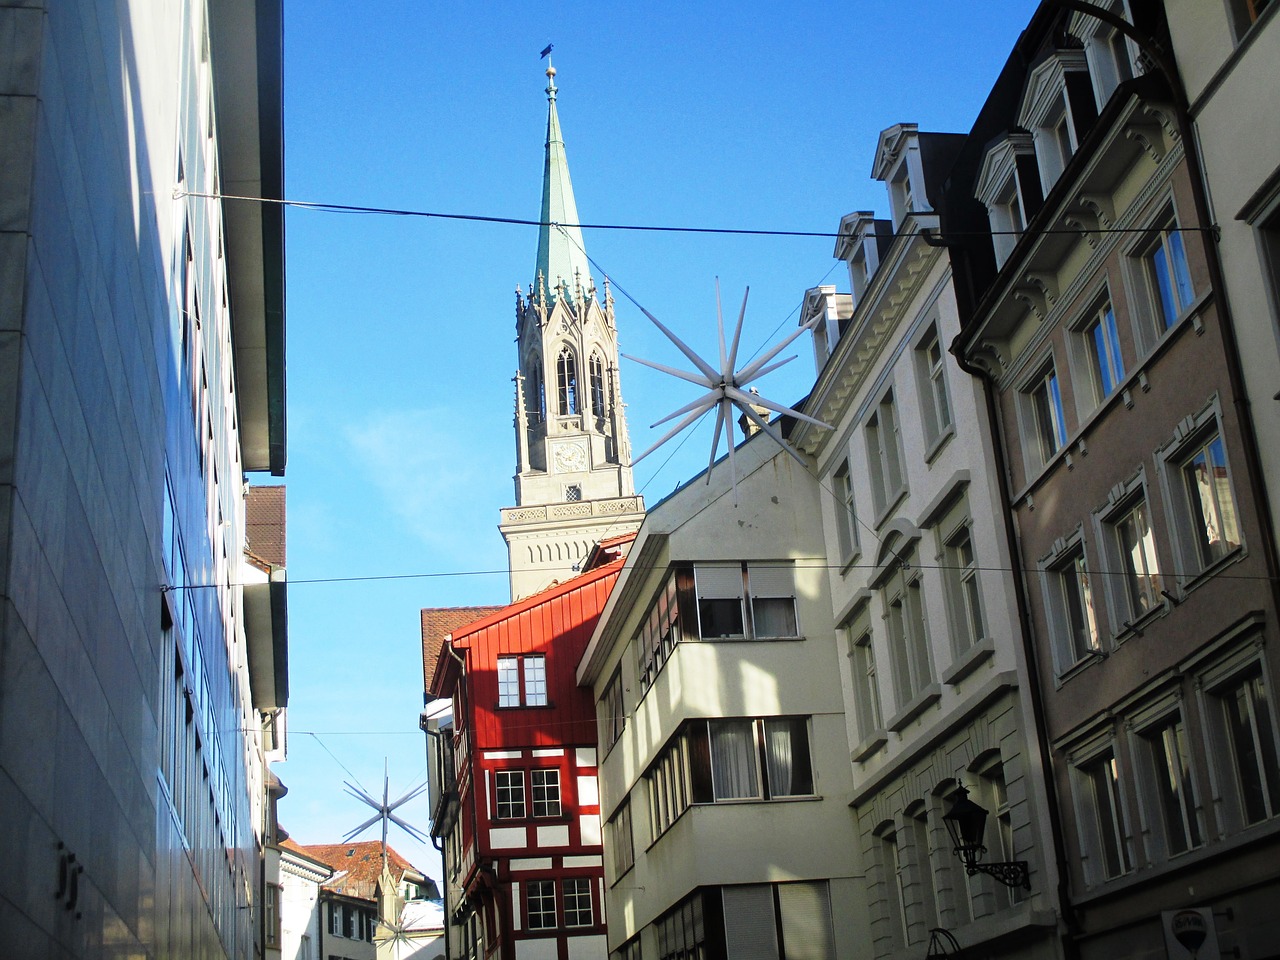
{"type": "Point", "coordinates": [724, 773]}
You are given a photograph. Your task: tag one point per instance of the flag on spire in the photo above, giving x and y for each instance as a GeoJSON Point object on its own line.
{"type": "Point", "coordinates": [545, 50]}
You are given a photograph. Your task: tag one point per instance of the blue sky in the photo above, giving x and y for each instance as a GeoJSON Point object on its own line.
{"type": "Point", "coordinates": [401, 330]}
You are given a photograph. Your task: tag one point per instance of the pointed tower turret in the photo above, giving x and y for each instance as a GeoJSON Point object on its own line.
{"type": "Point", "coordinates": [573, 457]}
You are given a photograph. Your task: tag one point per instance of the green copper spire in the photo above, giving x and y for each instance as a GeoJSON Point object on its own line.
{"type": "Point", "coordinates": [561, 252]}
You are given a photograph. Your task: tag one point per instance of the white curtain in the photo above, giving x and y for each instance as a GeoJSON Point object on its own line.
{"type": "Point", "coordinates": [777, 741]}
{"type": "Point", "coordinates": [734, 770]}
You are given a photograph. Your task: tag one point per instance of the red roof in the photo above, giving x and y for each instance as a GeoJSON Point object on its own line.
{"type": "Point", "coordinates": [357, 866]}
{"type": "Point", "coordinates": [264, 517]}
{"type": "Point", "coordinates": [438, 623]}
{"type": "Point", "coordinates": [440, 677]}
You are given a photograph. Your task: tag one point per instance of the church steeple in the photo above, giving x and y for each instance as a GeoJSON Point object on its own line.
{"type": "Point", "coordinates": [561, 252]}
{"type": "Point", "coordinates": [573, 457]}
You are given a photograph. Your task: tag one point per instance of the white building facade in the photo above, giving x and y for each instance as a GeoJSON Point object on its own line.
{"type": "Point", "coordinates": [724, 773]}
{"type": "Point", "coordinates": [916, 541]}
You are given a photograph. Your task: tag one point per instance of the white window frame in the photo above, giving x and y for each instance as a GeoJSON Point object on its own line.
{"type": "Point", "coordinates": [961, 580]}
{"type": "Point", "coordinates": [550, 789]}
{"type": "Point", "coordinates": [1153, 750]}
{"type": "Point", "coordinates": [1196, 554]}
{"type": "Point", "coordinates": [931, 382]}
{"type": "Point", "coordinates": [511, 781]}
{"type": "Point", "coordinates": [999, 188]}
{"type": "Point", "coordinates": [542, 886]}
{"type": "Point", "coordinates": [1245, 663]}
{"type": "Point", "coordinates": [1038, 434]}
{"type": "Point", "coordinates": [1090, 826]}
{"type": "Point", "coordinates": [846, 515]}
{"type": "Point", "coordinates": [884, 454]}
{"type": "Point", "coordinates": [1110, 53]}
{"type": "Point", "coordinates": [1046, 111]}
{"type": "Point", "coordinates": [575, 890]}
{"type": "Point", "coordinates": [1124, 580]}
{"type": "Point", "coordinates": [524, 677]}
{"type": "Point", "coordinates": [1069, 564]}
{"type": "Point", "coordinates": [1097, 359]}
{"type": "Point", "coordinates": [909, 648]}
{"type": "Point", "coordinates": [1152, 304]}
{"type": "Point", "coordinates": [868, 710]}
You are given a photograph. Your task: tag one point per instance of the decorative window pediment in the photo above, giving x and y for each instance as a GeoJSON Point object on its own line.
{"type": "Point", "coordinates": [897, 163]}
{"type": "Point", "coordinates": [1047, 111]}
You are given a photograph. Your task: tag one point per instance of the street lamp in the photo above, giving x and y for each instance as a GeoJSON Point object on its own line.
{"type": "Point", "coordinates": [966, 822]}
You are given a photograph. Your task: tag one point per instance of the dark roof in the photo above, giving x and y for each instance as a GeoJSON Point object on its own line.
{"type": "Point", "coordinates": [438, 623]}
{"type": "Point", "coordinates": [264, 518]}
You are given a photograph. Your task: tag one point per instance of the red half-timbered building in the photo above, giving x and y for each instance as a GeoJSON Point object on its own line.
{"type": "Point", "coordinates": [517, 809]}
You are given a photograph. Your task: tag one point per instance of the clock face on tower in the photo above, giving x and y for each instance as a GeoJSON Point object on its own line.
{"type": "Point", "coordinates": [570, 457]}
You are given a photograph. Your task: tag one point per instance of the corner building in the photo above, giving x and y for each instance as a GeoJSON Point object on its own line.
{"type": "Point", "coordinates": [1099, 322]}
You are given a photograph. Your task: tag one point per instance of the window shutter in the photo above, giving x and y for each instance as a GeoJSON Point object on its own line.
{"type": "Point", "coordinates": [806, 921]}
{"type": "Point", "coordinates": [772, 581]}
{"type": "Point", "coordinates": [721, 582]}
{"type": "Point", "coordinates": [750, 930]}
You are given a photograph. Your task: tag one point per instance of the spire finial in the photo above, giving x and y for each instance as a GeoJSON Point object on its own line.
{"type": "Point", "coordinates": [551, 72]}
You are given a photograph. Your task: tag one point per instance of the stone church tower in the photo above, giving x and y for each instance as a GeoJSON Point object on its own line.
{"type": "Point", "coordinates": [573, 458]}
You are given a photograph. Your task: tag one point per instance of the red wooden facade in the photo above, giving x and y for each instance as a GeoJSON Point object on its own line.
{"type": "Point", "coordinates": [522, 822]}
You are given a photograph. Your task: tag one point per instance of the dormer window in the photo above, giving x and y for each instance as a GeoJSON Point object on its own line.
{"type": "Point", "coordinates": [1056, 108]}
{"type": "Point", "coordinates": [862, 237]}
{"type": "Point", "coordinates": [1008, 187]}
{"type": "Point", "coordinates": [1106, 50]}
{"type": "Point", "coordinates": [898, 164]}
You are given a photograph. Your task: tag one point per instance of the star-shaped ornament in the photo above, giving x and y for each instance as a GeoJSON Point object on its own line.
{"type": "Point", "coordinates": [386, 812]}
{"type": "Point", "coordinates": [726, 389]}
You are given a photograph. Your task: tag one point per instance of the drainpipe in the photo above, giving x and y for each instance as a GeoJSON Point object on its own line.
{"type": "Point", "coordinates": [1065, 909]}
{"type": "Point", "coordinates": [444, 877]}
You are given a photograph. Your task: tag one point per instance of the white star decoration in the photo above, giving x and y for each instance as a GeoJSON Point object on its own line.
{"type": "Point", "coordinates": [385, 812]}
{"type": "Point", "coordinates": [726, 389]}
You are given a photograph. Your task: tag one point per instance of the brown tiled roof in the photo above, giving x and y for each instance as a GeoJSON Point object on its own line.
{"type": "Point", "coordinates": [357, 865]}
{"type": "Point", "coordinates": [438, 623]}
{"type": "Point", "coordinates": [264, 524]}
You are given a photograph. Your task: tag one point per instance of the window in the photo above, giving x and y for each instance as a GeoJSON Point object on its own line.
{"type": "Point", "coordinates": [1100, 343]}
{"type": "Point", "coordinates": [628, 951]}
{"type": "Point", "coordinates": [923, 874]}
{"type": "Point", "coordinates": [509, 785]}
{"type": "Point", "coordinates": [862, 664]}
{"type": "Point", "coordinates": [540, 900]}
{"type": "Point", "coordinates": [712, 761]}
{"type": "Point", "coordinates": [1164, 265]}
{"type": "Point", "coordinates": [846, 515]}
{"type": "Point", "coordinates": [621, 844]}
{"type": "Point", "coordinates": [661, 630]}
{"type": "Point", "coordinates": [894, 898]}
{"type": "Point", "coordinates": [1007, 187]}
{"type": "Point", "coordinates": [784, 921]}
{"type": "Point", "coordinates": [1251, 733]}
{"type": "Point", "coordinates": [994, 795]}
{"type": "Point", "coordinates": [908, 639]}
{"type": "Point", "coordinates": [884, 454]}
{"type": "Point", "coordinates": [1070, 594]}
{"type": "Point", "coordinates": [1106, 849]}
{"type": "Point", "coordinates": [725, 594]}
{"type": "Point", "coordinates": [1044, 411]}
{"type": "Point", "coordinates": [573, 493]}
{"type": "Point", "coordinates": [595, 369]}
{"type": "Point", "coordinates": [545, 789]}
{"type": "Point", "coordinates": [567, 383]}
{"type": "Point", "coordinates": [1052, 112]}
{"type": "Point", "coordinates": [1135, 571]}
{"type": "Point", "coordinates": [935, 406]}
{"type": "Point", "coordinates": [960, 574]}
{"type": "Point", "coordinates": [1244, 14]}
{"type": "Point", "coordinates": [1170, 784]}
{"type": "Point", "coordinates": [613, 717]}
{"type": "Point", "coordinates": [529, 690]}
{"type": "Point", "coordinates": [1204, 504]}
{"type": "Point", "coordinates": [1105, 49]}
{"type": "Point", "coordinates": [577, 902]}
{"type": "Point", "coordinates": [682, 932]}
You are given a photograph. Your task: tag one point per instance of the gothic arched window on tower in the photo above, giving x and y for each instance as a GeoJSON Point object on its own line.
{"type": "Point", "coordinates": [596, 371]}
{"type": "Point", "coordinates": [534, 400]}
{"type": "Point", "coordinates": [567, 379]}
